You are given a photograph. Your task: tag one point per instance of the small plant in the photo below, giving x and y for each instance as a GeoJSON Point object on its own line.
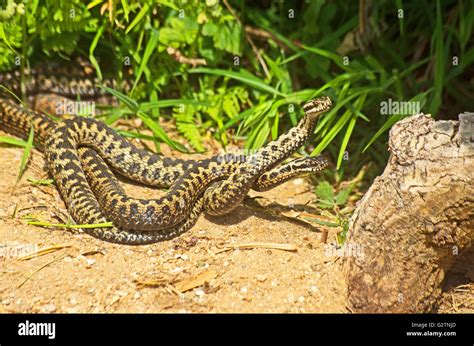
{"type": "Point", "coordinates": [331, 204]}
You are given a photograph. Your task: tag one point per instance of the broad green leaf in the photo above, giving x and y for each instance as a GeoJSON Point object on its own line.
{"type": "Point", "coordinates": [325, 193]}
{"type": "Point", "coordinates": [342, 196]}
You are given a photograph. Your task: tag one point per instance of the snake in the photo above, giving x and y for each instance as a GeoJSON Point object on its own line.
{"type": "Point", "coordinates": [217, 184]}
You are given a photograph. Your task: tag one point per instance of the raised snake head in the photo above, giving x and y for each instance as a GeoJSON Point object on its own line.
{"type": "Point", "coordinates": [317, 106]}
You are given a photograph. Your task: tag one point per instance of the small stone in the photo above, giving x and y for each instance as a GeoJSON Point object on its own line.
{"type": "Point", "coordinates": [183, 257]}
{"type": "Point", "coordinates": [261, 277]}
{"type": "Point", "coordinates": [176, 270]}
{"type": "Point", "coordinates": [244, 289]}
{"type": "Point", "coordinates": [137, 122]}
{"type": "Point", "coordinates": [48, 308]}
{"type": "Point", "coordinates": [90, 262]}
{"type": "Point", "coordinates": [199, 292]}
{"type": "Point", "coordinates": [137, 295]}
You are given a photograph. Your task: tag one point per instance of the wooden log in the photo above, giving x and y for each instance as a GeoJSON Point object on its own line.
{"type": "Point", "coordinates": [416, 219]}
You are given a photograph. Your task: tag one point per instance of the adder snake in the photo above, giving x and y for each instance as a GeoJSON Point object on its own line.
{"type": "Point", "coordinates": [93, 195]}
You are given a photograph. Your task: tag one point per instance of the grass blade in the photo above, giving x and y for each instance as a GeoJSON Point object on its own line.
{"type": "Point", "coordinates": [129, 102]}
{"type": "Point", "coordinates": [349, 130]}
{"type": "Point", "coordinates": [92, 47]}
{"type": "Point", "coordinates": [26, 153]}
{"type": "Point", "coordinates": [159, 132]}
{"type": "Point", "coordinates": [138, 18]}
{"type": "Point", "coordinates": [242, 76]}
{"type": "Point", "coordinates": [150, 47]}
{"type": "Point", "coordinates": [13, 141]}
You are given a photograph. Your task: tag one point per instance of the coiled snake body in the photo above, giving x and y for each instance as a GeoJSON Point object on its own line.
{"type": "Point", "coordinates": [93, 195]}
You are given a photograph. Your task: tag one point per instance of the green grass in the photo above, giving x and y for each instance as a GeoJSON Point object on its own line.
{"type": "Point", "coordinates": [309, 65]}
{"type": "Point", "coordinates": [238, 95]}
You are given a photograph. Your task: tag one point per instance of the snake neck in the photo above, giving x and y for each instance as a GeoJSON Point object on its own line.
{"type": "Point", "coordinates": [278, 150]}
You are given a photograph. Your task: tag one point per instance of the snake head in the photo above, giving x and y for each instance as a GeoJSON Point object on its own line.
{"type": "Point", "coordinates": [317, 106]}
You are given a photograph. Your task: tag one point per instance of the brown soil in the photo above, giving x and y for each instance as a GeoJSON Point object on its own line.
{"type": "Point", "coordinates": [201, 271]}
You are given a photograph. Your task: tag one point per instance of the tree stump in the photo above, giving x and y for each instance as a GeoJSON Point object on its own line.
{"type": "Point", "coordinates": [416, 218]}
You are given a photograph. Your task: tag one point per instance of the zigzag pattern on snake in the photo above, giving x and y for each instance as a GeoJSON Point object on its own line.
{"type": "Point", "coordinates": [178, 210]}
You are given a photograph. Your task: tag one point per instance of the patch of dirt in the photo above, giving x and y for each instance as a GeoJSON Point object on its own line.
{"type": "Point", "coordinates": [208, 269]}
{"type": "Point", "coordinates": [204, 270]}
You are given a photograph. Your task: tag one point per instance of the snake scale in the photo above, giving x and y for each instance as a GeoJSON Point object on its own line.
{"type": "Point", "coordinates": [80, 150]}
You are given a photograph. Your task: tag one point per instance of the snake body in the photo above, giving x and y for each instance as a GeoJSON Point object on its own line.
{"type": "Point", "coordinates": [216, 185]}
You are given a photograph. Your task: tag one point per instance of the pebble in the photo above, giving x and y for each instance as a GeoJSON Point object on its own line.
{"type": "Point", "coordinates": [90, 262]}
{"type": "Point", "coordinates": [199, 292]}
{"type": "Point", "coordinates": [48, 308]}
{"type": "Point", "coordinates": [261, 277]}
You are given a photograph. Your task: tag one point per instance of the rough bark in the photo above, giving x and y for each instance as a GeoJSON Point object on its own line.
{"type": "Point", "coordinates": [416, 218]}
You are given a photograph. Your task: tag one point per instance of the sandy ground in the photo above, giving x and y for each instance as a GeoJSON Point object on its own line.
{"type": "Point", "coordinates": [204, 270]}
